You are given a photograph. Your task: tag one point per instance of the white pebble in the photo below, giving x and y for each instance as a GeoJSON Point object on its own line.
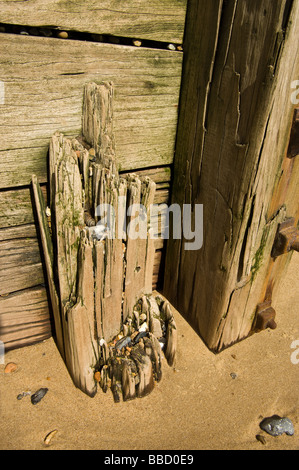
{"type": "Point", "coordinates": [143, 327]}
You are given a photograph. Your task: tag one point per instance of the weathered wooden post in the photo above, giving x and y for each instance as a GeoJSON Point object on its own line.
{"type": "Point", "coordinates": [110, 327]}
{"type": "Point", "coordinates": [241, 59]}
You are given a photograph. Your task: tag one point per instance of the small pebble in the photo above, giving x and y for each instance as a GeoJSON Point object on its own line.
{"type": "Point", "coordinates": [143, 327]}
{"type": "Point", "coordinates": [97, 376]}
{"type": "Point", "coordinates": [276, 426]}
{"type": "Point", "coordinates": [171, 47]}
{"type": "Point", "coordinates": [24, 33]}
{"type": "Point", "coordinates": [63, 35]}
{"type": "Point", "coordinates": [137, 43]}
{"type": "Point", "coordinates": [233, 375]}
{"type": "Point", "coordinates": [38, 395]}
{"type": "Point", "coordinates": [10, 368]}
{"type": "Point", "coordinates": [142, 318]}
{"type": "Point", "coordinates": [22, 395]}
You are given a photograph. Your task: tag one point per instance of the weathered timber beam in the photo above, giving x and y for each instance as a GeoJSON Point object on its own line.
{"type": "Point", "coordinates": [146, 104]}
{"type": "Point", "coordinates": [24, 318]}
{"type": "Point", "coordinates": [234, 124]}
{"type": "Point", "coordinates": [97, 267]}
{"type": "Point", "coordinates": [144, 19]}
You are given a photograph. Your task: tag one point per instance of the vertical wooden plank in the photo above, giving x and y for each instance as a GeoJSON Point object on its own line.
{"type": "Point", "coordinates": [229, 156]}
{"type": "Point", "coordinates": [81, 345]}
{"type": "Point", "coordinates": [49, 261]}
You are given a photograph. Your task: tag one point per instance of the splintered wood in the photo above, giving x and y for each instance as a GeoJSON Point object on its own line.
{"type": "Point", "coordinates": [99, 255]}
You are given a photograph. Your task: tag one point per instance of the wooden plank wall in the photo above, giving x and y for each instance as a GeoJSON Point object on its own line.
{"type": "Point", "coordinates": [43, 81]}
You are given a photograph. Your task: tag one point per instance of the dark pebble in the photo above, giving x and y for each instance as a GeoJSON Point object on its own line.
{"type": "Point", "coordinates": [123, 342]}
{"type": "Point", "coordinates": [261, 439]}
{"type": "Point", "coordinates": [276, 426]}
{"type": "Point", "coordinates": [37, 396]}
{"type": "Point", "coordinates": [140, 335]}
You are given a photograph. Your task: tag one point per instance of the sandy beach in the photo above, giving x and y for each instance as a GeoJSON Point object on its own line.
{"type": "Point", "coordinates": [203, 402]}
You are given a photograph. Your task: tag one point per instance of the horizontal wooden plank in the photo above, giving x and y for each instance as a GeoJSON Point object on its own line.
{"type": "Point", "coordinates": [20, 265]}
{"type": "Point", "coordinates": [20, 258]}
{"type": "Point", "coordinates": [159, 175]}
{"type": "Point", "coordinates": [16, 207]}
{"type": "Point", "coordinates": [144, 19]}
{"type": "Point", "coordinates": [43, 92]}
{"type": "Point", "coordinates": [23, 231]}
{"type": "Point", "coordinates": [24, 318]}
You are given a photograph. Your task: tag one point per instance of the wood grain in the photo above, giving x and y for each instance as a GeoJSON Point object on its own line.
{"type": "Point", "coordinates": [16, 207]}
{"type": "Point", "coordinates": [16, 204]}
{"type": "Point", "coordinates": [144, 19]}
{"type": "Point", "coordinates": [230, 157]}
{"type": "Point", "coordinates": [24, 318]}
{"type": "Point", "coordinates": [20, 265]}
{"type": "Point", "coordinates": [43, 94]}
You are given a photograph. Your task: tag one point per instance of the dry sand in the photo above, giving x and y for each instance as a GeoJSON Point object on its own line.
{"type": "Point", "coordinates": [197, 405]}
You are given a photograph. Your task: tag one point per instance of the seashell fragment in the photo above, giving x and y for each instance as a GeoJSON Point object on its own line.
{"type": "Point", "coordinates": [50, 436]}
{"type": "Point", "coordinates": [10, 368]}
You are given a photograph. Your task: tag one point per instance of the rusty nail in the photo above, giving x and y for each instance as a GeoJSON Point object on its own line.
{"type": "Point", "coordinates": [265, 317]}
{"type": "Point", "coordinates": [287, 238]}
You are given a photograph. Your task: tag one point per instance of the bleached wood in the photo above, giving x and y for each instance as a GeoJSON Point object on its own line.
{"type": "Point", "coordinates": [20, 265]}
{"type": "Point", "coordinates": [144, 19]}
{"type": "Point", "coordinates": [49, 261]}
{"type": "Point", "coordinates": [81, 344]}
{"type": "Point", "coordinates": [16, 204]}
{"type": "Point", "coordinates": [24, 318]}
{"type": "Point", "coordinates": [43, 93]}
{"type": "Point", "coordinates": [99, 276]}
